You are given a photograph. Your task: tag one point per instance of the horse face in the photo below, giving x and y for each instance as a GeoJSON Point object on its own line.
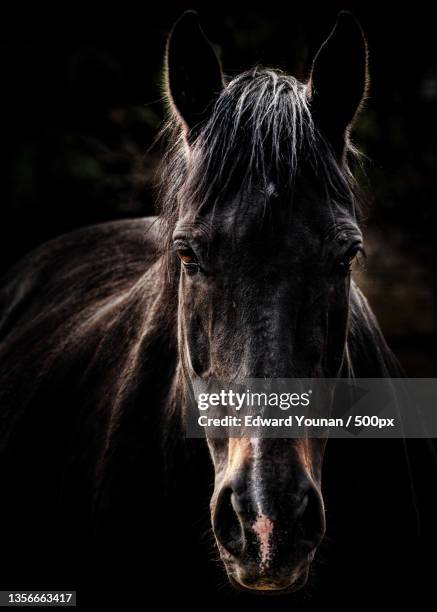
{"type": "Point", "coordinates": [265, 298]}
{"type": "Point", "coordinates": [261, 295]}
{"type": "Point", "coordinates": [269, 302]}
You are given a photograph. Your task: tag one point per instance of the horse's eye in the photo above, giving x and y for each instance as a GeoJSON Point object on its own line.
{"type": "Point", "coordinates": [350, 255]}
{"type": "Point", "coordinates": [188, 258]}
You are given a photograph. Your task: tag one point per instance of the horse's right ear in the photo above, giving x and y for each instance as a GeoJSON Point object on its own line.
{"type": "Point", "coordinates": [193, 74]}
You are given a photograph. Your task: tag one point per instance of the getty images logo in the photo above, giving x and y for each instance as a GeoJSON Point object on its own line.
{"type": "Point", "coordinates": [228, 398]}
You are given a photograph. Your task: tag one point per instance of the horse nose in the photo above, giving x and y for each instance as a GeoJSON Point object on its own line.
{"type": "Point", "coordinates": [235, 522]}
{"type": "Point", "coordinates": [227, 524]}
{"type": "Point", "coordinates": [309, 518]}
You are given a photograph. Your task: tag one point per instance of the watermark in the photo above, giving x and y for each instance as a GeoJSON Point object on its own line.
{"type": "Point", "coordinates": [37, 598]}
{"type": "Point", "coordinates": [294, 408]}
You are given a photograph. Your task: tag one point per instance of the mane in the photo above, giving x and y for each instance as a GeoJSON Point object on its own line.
{"type": "Point", "coordinates": [260, 132]}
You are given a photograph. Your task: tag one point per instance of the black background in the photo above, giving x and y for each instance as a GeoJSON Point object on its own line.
{"type": "Point", "coordinates": [81, 106]}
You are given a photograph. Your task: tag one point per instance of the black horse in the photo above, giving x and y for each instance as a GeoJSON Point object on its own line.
{"type": "Point", "coordinates": [246, 272]}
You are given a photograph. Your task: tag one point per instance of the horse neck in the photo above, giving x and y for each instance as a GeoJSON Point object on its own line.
{"type": "Point", "coordinates": [368, 355]}
{"type": "Point", "coordinates": [141, 346]}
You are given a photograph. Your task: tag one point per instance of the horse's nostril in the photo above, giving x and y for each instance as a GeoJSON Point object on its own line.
{"type": "Point", "coordinates": [310, 518]}
{"type": "Point", "coordinates": [227, 527]}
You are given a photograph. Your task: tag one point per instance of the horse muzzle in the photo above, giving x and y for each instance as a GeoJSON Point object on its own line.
{"type": "Point", "coordinates": [268, 550]}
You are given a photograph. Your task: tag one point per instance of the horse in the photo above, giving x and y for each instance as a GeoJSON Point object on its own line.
{"type": "Point", "coordinates": [245, 272]}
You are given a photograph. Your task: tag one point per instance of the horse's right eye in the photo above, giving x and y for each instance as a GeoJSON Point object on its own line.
{"type": "Point", "coordinates": [188, 259]}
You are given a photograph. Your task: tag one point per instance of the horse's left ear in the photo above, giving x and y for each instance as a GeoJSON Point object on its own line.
{"type": "Point", "coordinates": [339, 81]}
{"type": "Point", "coordinates": [193, 75]}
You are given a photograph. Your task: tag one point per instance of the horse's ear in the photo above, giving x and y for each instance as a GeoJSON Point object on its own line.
{"type": "Point", "coordinates": [339, 80]}
{"type": "Point", "coordinates": [193, 74]}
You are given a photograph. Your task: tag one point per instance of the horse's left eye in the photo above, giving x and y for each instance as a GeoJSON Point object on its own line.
{"type": "Point", "coordinates": [350, 255]}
